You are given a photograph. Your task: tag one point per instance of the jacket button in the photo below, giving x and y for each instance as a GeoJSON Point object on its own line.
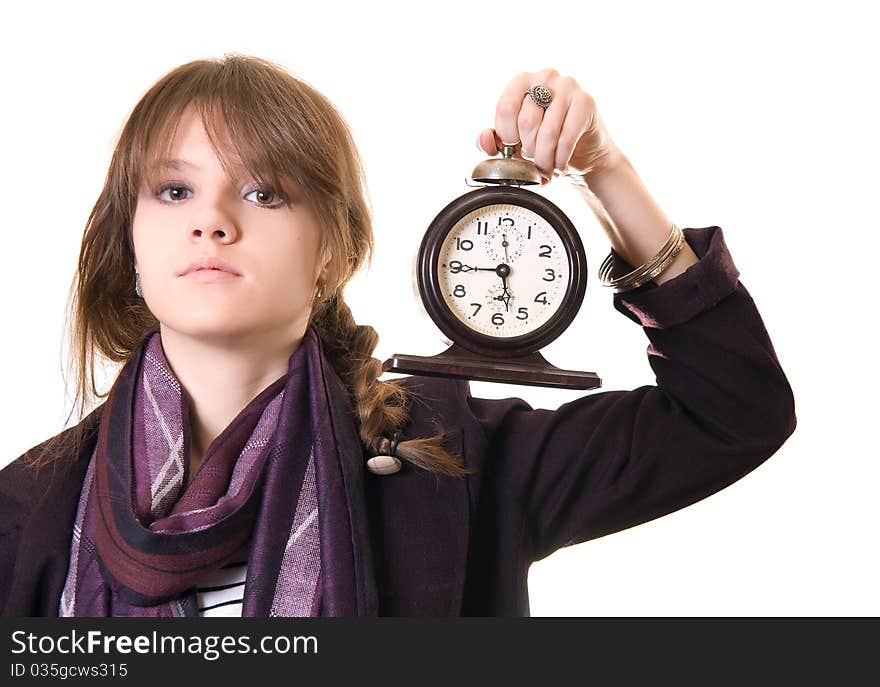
{"type": "Point", "coordinates": [383, 465]}
{"type": "Point", "coordinates": [386, 463]}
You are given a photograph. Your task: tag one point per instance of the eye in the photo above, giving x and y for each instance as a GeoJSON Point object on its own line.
{"type": "Point", "coordinates": [174, 197]}
{"type": "Point", "coordinates": [266, 192]}
{"type": "Point", "coordinates": [264, 195]}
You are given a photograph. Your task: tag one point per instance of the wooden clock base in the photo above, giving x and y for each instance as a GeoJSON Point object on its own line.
{"type": "Point", "coordinates": [455, 361]}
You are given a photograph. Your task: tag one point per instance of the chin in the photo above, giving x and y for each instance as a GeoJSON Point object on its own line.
{"type": "Point", "coordinates": [202, 325]}
{"type": "Point", "coordinates": [219, 327]}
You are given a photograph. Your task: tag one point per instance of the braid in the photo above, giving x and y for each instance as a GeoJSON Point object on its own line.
{"type": "Point", "coordinates": [381, 406]}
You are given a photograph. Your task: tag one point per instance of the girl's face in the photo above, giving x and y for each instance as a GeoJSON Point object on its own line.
{"type": "Point", "coordinates": [196, 211]}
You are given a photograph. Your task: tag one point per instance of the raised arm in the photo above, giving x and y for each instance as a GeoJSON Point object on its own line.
{"type": "Point", "coordinates": [721, 404]}
{"type": "Point", "coordinates": [610, 460]}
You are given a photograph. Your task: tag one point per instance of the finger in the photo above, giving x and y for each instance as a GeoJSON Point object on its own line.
{"type": "Point", "coordinates": [576, 119]}
{"type": "Point", "coordinates": [489, 142]}
{"type": "Point", "coordinates": [547, 137]}
{"type": "Point", "coordinates": [498, 144]}
{"type": "Point", "coordinates": [529, 123]}
{"type": "Point", "coordinates": [507, 111]}
{"type": "Point", "coordinates": [486, 142]}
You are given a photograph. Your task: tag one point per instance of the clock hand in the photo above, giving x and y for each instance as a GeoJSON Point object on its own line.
{"type": "Point", "coordinates": [506, 295]}
{"type": "Point", "coordinates": [505, 298]}
{"type": "Point", "coordinates": [503, 270]}
{"type": "Point", "coordinates": [468, 268]}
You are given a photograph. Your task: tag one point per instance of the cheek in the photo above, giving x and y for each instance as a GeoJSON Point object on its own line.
{"type": "Point", "coordinates": [275, 288]}
{"type": "Point", "coordinates": [292, 263]}
{"type": "Point", "coordinates": [289, 276]}
{"type": "Point", "coordinates": [148, 252]}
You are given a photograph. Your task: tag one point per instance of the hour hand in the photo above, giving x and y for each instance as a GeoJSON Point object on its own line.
{"type": "Point", "coordinates": [457, 266]}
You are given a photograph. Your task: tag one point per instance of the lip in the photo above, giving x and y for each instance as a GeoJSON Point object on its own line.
{"type": "Point", "coordinates": [209, 269]}
{"type": "Point", "coordinates": [206, 275]}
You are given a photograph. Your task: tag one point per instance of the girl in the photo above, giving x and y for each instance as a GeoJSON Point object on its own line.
{"type": "Point", "coordinates": [227, 470]}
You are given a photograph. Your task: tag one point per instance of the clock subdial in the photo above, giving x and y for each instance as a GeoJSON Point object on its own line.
{"type": "Point", "coordinates": [505, 244]}
{"type": "Point", "coordinates": [503, 290]}
{"type": "Point", "coordinates": [500, 298]}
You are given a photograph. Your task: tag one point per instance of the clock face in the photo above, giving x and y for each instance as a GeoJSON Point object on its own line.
{"type": "Point", "coordinates": [503, 271]}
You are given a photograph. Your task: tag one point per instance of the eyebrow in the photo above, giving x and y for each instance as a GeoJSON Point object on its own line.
{"type": "Point", "coordinates": [180, 164]}
{"type": "Point", "coordinates": [176, 163]}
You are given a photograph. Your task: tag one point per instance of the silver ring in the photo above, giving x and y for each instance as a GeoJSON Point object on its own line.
{"type": "Point", "coordinates": [540, 95]}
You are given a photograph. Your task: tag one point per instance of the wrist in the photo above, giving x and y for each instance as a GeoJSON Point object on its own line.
{"type": "Point", "coordinates": [612, 162]}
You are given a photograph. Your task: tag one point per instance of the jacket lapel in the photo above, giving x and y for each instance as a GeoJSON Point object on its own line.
{"type": "Point", "coordinates": [409, 529]}
{"type": "Point", "coordinates": [351, 462]}
{"type": "Point", "coordinates": [421, 523]}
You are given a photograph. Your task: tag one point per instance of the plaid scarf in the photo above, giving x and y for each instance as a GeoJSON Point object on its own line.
{"type": "Point", "coordinates": [141, 541]}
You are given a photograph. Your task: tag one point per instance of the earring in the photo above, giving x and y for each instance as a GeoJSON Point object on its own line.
{"type": "Point", "coordinates": [137, 284]}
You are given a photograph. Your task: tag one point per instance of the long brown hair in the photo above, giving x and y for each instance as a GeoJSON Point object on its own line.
{"type": "Point", "coordinates": [280, 127]}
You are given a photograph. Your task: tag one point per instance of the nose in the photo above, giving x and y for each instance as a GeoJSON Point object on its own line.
{"type": "Point", "coordinates": [225, 234]}
{"type": "Point", "coordinates": [215, 219]}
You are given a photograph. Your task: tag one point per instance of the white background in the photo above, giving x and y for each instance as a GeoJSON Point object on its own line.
{"type": "Point", "coordinates": [760, 118]}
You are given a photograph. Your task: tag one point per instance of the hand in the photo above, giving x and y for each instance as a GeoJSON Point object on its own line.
{"type": "Point", "coordinates": [569, 136]}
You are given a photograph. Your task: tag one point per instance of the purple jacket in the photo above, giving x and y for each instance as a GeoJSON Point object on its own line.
{"type": "Point", "coordinates": [432, 545]}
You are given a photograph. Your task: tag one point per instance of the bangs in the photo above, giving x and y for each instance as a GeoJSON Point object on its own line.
{"type": "Point", "coordinates": [238, 138]}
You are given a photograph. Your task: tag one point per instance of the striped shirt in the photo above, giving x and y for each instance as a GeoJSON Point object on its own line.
{"type": "Point", "coordinates": [220, 594]}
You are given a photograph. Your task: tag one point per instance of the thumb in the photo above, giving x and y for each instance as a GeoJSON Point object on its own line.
{"type": "Point", "coordinates": [486, 142]}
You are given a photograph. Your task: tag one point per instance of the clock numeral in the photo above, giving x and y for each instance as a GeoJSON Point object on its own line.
{"type": "Point", "coordinates": [523, 312]}
{"type": "Point", "coordinates": [551, 273]}
{"type": "Point", "coordinates": [498, 319]}
{"type": "Point", "coordinates": [463, 244]}
{"type": "Point", "coordinates": [529, 232]}
{"type": "Point", "coordinates": [544, 254]}
{"type": "Point", "coordinates": [482, 228]}
{"type": "Point", "coordinates": [455, 266]}
{"type": "Point", "coordinates": [502, 220]}
{"type": "Point", "coordinates": [459, 291]}
{"type": "Point", "coordinates": [541, 298]}
{"type": "Point", "coordinates": [479, 305]}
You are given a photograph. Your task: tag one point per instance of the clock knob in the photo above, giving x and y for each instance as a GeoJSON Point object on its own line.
{"type": "Point", "coordinates": [510, 149]}
{"type": "Point", "coordinates": [507, 170]}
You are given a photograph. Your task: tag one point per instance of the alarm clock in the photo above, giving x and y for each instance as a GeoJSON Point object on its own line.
{"type": "Point", "coordinates": [502, 272]}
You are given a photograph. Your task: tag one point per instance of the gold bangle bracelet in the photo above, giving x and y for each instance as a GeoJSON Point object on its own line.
{"type": "Point", "coordinates": [660, 263]}
{"type": "Point", "coordinates": [642, 274]}
{"type": "Point", "coordinates": [643, 269]}
{"type": "Point", "coordinates": [646, 272]}
{"type": "Point", "coordinates": [627, 281]}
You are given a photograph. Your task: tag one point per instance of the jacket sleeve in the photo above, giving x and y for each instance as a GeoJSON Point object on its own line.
{"type": "Point", "coordinates": [611, 460]}
{"type": "Point", "coordinates": [9, 536]}
{"type": "Point", "coordinates": [16, 497]}
{"type": "Point", "coordinates": [37, 510]}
